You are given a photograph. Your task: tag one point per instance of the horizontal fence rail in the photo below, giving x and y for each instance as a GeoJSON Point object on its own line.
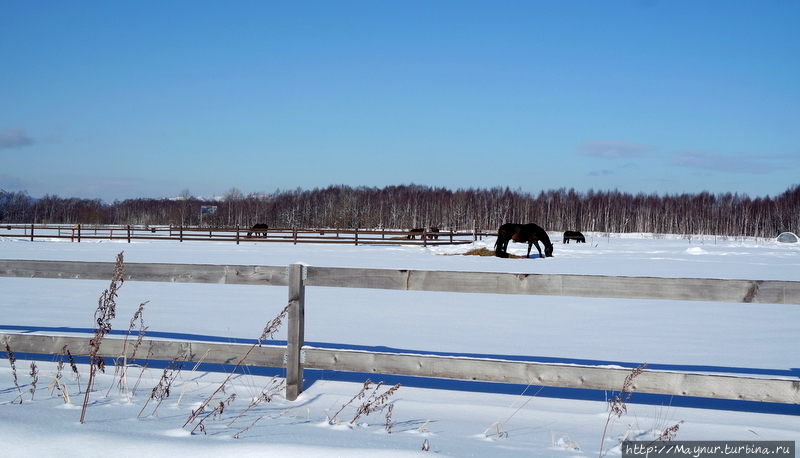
{"type": "Point", "coordinates": [600, 286]}
{"type": "Point", "coordinates": [472, 369]}
{"type": "Point", "coordinates": [296, 356]}
{"type": "Point", "coordinates": [78, 232]}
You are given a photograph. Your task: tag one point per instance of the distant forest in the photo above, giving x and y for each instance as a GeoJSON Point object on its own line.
{"type": "Point", "coordinates": [411, 206]}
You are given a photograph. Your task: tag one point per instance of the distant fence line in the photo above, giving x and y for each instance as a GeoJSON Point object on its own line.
{"type": "Point", "coordinates": [78, 232]}
{"type": "Point", "coordinates": [294, 357]}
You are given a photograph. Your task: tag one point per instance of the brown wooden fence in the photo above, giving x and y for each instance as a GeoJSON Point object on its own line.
{"type": "Point", "coordinates": [78, 233]}
{"type": "Point", "coordinates": [295, 357]}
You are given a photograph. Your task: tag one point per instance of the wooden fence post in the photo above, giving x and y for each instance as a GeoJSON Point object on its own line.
{"type": "Point", "coordinates": [237, 234]}
{"type": "Point", "coordinates": [296, 331]}
{"type": "Point", "coordinates": [31, 232]}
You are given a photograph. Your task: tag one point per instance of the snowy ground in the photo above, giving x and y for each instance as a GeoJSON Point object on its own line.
{"type": "Point", "coordinates": [455, 418]}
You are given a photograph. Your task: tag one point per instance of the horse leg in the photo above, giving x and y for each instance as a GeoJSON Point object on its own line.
{"type": "Point", "coordinates": [536, 242]}
{"type": "Point", "coordinates": [501, 248]}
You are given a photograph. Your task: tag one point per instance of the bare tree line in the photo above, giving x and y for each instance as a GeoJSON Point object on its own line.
{"type": "Point", "coordinates": [410, 206]}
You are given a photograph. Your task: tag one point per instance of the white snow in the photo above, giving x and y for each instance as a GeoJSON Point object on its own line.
{"type": "Point", "coordinates": [465, 420]}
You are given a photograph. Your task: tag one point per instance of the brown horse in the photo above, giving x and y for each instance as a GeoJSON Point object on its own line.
{"type": "Point", "coordinates": [414, 232]}
{"type": "Point", "coordinates": [530, 233]}
{"type": "Point", "coordinates": [432, 233]}
{"type": "Point", "coordinates": [258, 229]}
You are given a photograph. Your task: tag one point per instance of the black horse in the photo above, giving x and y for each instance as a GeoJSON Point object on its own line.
{"type": "Point", "coordinates": [573, 235]}
{"type": "Point", "coordinates": [530, 233]}
{"type": "Point", "coordinates": [258, 229]}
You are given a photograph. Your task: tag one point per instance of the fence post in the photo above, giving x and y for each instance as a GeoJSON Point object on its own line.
{"type": "Point", "coordinates": [128, 230]}
{"type": "Point", "coordinates": [31, 232]}
{"type": "Point", "coordinates": [356, 236]}
{"type": "Point", "coordinates": [296, 331]}
{"type": "Point", "coordinates": [237, 234]}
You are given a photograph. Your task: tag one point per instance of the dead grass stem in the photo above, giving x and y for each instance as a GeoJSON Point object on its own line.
{"type": "Point", "coordinates": [618, 406]}
{"type": "Point", "coordinates": [269, 330]}
{"type": "Point", "coordinates": [12, 360]}
{"type": "Point", "coordinates": [106, 311]}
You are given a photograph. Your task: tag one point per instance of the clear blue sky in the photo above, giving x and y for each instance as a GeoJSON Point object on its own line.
{"type": "Point", "coordinates": [126, 99]}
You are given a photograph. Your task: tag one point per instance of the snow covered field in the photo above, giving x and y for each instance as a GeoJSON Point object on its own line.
{"type": "Point", "coordinates": [461, 421]}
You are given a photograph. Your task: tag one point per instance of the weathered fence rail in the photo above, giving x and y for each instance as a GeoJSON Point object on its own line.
{"type": "Point", "coordinates": [78, 233]}
{"type": "Point", "coordinates": [296, 356]}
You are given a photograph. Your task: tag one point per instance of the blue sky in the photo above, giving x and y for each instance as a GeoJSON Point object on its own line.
{"type": "Point", "coordinates": [117, 100]}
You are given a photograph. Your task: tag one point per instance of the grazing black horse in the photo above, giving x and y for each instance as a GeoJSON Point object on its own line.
{"type": "Point", "coordinates": [530, 233]}
{"type": "Point", "coordinates": [258, 229]}
{"type": "Point", "coordinates": [573, 235]}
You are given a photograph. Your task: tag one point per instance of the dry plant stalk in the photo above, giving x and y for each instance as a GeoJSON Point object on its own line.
{"type": "Point", "coordinates": [34, 373]}
{"type": "Point", "coordinates": [373, 403]}
{"type": "Point", "coordinates": [185, 385]}
{"type": "Point", "coordinates": [269, 330]}
{"type": "Point", "coordinates": [499, 428]}
{"type": "Point", "coordinates": [12, 360]}
{"type": "Point", "coordinates": [142, 369]}
{"type": "Point", "coordinates": [123, 361]}
{"type": "Point", "coordinates": [567, 444]}
{"type": "Point", "coordinates": [106, 311]}
{"type": "Point", "coordinates": [617, 406]}
{"type": "Point", "coordinates": [237, 435]}
{"type": "Point", "coordinates": [72, 365]}
{"type": "Point", "coordinates": [273, 388]}
{"type": "Point", "coordinates": [360, 395]}
{"type": "Point", "coordinates": [669, 433]}
{"type": "Point", "coordinates": [216, 413]}
{"type": "Point", "coordinates": [56, 384]}
{"type": "Point", "coordinates": [162, 388]}
{"type": "Point", "coordinates": [389, 423]}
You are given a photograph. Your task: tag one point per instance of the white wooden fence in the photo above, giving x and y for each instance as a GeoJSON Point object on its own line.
{"type": "Point", "coordinates": [295, 357]}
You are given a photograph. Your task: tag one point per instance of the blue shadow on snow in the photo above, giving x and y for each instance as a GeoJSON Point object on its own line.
{"type": "Point", "coordinates": [313, 375]}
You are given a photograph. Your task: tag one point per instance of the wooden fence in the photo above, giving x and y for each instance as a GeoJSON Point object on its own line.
{"type": "Point", "coordinates": [78, 232]}
{"type": "Point", "coordinates": [295, 357]}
